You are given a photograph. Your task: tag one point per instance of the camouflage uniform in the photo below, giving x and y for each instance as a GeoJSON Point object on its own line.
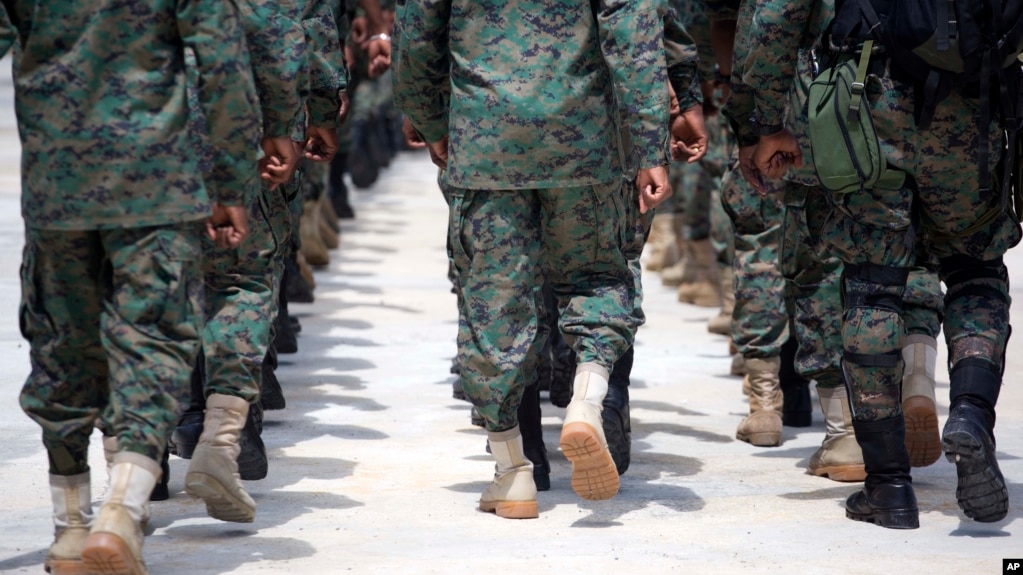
{"type": "Point", "coordinates": [111, 262]}
{"type": "Point", "coordinates": [880, 234]}
{"type": "Point", "coordinates": [241, 282]}
{"type": "Point", "coordinates": [533, 184]}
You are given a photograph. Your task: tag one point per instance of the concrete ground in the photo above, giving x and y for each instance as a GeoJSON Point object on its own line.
{"type": "Point", "coordinates": [376, 469]}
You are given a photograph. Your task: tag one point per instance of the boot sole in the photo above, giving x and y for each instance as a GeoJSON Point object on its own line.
{"type": "Point", "coordinates": [890, 519]}
{"type": "Point", "coordinates": [769, 439]}
{"type": "Point", "coordinates": [65, 567]}
{"type": "Point", "coordinates": [511, 509]}
{"type": "Point", "coordinates": [220, 504]}
{"type": "Point", "coordinates": [108, 554]}
{"type": "Point", "coordinates": [842, 473]}
{"type": "Point", "coordinates": [981, 493]}
{"type": "Point", "coordinates": [594, 476]}
{"type": "Point", "coordinates": [923, 442]}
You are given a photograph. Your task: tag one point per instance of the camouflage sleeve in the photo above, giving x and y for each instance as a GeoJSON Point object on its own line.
{"type": "Point", "coordinates": [420, 65]}
{"type": "Point", "coordinates": [227, 95]}
{"type": "Point", "coordinates": [327, 74]}
{"type": "Point", "coordinates": [8, 32]}
{"type": "Point", "coordinates": [741, 101]}
{"type": "Point", "coordinates": [681, 56]}
{"type": "Point", "coordinates": [698, 25]}
{"type": "Point", "coordinates": [632, 42]}
{"type": "Point", "coordinates": [278, 63]}
{"type": "Point", "coordinates": [769, 68]}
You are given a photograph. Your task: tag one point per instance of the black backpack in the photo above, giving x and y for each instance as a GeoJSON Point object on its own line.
{"type": "Point", "coordinates": [945, 45]}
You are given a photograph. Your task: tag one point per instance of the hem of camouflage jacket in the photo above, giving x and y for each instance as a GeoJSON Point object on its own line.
{"type": "Point", "coordinates": [499, 186]}
{"type": "Point", "coordinates": [119, 222]}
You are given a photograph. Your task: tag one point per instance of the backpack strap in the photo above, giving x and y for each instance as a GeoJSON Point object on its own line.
{"type": "Point", "coordinates": [859, 83]}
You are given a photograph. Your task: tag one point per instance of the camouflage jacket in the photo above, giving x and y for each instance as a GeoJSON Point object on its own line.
{"type": "Point", "coordinates": [771, 73]}
{"type": "Point", "coordinates": [103, 114]}
{"type": "Point", "coordinates": [527, 91]}
{"type": "Point", "coordinates": [328, 76]}
{"type": "Point", "coordinates": [682, 57]}
{"type": "Point", "coordinates": [278, 49]}
{"type": "Point", "coordinates": [776, 33]}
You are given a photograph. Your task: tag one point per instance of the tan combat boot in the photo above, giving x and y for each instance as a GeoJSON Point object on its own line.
{"type": "Point", "coordinates": [213, 473]}
{"type": "Point", "coordinates": [309, 232]}
{"type": "Point", "coordinates": [705, 289]}
{"type": "Point", "coordinates": [305, 270]}
{"type": "Point", "coordinates": [839, 457]}
{"type": "Point", "coordinates": [662, 244]}
{"type": "Point", "coordinates": [721, 324]}
{"type": "Point", "coordinates": [738, 366]}
{"type": "Point", "coordinates": [594, 475]}
{"type": "Point", "coordinates": [72, 518]}
{"type": "Point", "coordinates": [763, 425]}
{"type": "Point", "coordinates": [918, 404]}
{"type": "Point", "coordinates": [114, 545]}
{"type": "Point", "coordinates": [330, 236]}
{"type": "Point", "coordinates": [512, 494]}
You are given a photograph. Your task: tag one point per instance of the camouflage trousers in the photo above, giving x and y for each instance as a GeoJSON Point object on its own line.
{"type": "Point", "coordinates": [760, 320]}
{"type": "Point", "coordinates": [242, 286]}
{"type": "Point", "coordinates": [501, 243]}
{"type": "Point", "coordinates": [113, 319]}
{"type": "Point", "coordinates": [876, 233]}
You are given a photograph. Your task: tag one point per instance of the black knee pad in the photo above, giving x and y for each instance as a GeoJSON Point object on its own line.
{"type": "Point", "coordinates": [878, 275]}
{"type": "Point", "coordinates": [966, 276]}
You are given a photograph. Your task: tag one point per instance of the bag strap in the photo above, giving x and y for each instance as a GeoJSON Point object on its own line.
{"type": "Point", "coordinates": [858, 84]}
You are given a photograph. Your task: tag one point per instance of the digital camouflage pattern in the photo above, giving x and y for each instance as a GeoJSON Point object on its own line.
{"type": "Point", "coordinates": [760, 320]}
{"type": "Point", "coordinates": [500, 244]}
{"type": "Point", "coordinates": [91, 300]}
{"type": "Point", "coordinates": [328, 76]}
{"type": "Point", "coordinates": [528, 82]}
{"type": "Point", "coordinates": [112, 199]}
{"type": "Point", "coordinates": [242, 284]}
{"type": "Point", "coordinates": [877, 226]}
{"type": "Point", "coordinates": [110, 154]}
{"type": "Point", "coordinates": [279, 63]}
{"type": "Point", "coordinates": [241, 298]}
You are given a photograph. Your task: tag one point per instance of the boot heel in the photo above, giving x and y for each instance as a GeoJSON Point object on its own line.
{"type": "Point", "coordinates": [517, 510]}
{"type": "Point", "coordinates": [220, 504]}
{"type": "Point", "coordinates": [922, 440]}
{"type": "Point", "coordinates": [108, 554]}
{"type": "Point", "coordinates": [897, 519]}
{"type": "Point", "coordinates": [594, 475]}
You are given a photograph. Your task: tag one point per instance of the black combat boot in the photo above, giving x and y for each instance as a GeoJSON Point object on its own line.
{"type": "Point", "coordinates": [797, 407]}
{"type": "Point", "coordinates": [562, 370]}
{"type": "Point", "coordinates": [532, 437]}
{"type": "Point", "coordinates": [294, 285]}
{"type": "Point", "coordinates": [615, 417]}
{"type": "Point", "coordinates": [160, 490]}
{"type": "Point", "coordinates": [285, 339]}
{"type": "Point", "coordinates": [271, 396]}
{"type": "Point", "coordinates": [969, 440]}
{"type": "Point", "coordinates": [887, 498]}
{"type": "Point", "coordinates": [338, 190]}
{"type": "Point", "coordinates": [185, 436]}
{"type": "Point", "coordinates": [252, 461]}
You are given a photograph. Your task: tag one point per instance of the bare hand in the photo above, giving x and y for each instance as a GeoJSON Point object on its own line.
{"type": "Point", "coordinates": [379, 51]}
{"type": "Point", "coordinates": [689, 135]}
{"type": "Point", "coordinates": [342, 112]}
{"type": "Point", "coordinates": [439, 152]}
{"type": "Point", "coordinates": [359, 31]}
{"type": "Point", "coordinates": [280, 159]}
{"type": "Point", "coordinates": [320, 143]}
{"type": "Point", "coordinates": [228, 226]}
{"type": "Point", "coordinates": [749, 170]}
{"type": "Point", "coordinates": [653, 187]}
{"type": "Point", "coordinates": [412, 136]}
{"type": "Point", "coordinates": [774, 154]}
